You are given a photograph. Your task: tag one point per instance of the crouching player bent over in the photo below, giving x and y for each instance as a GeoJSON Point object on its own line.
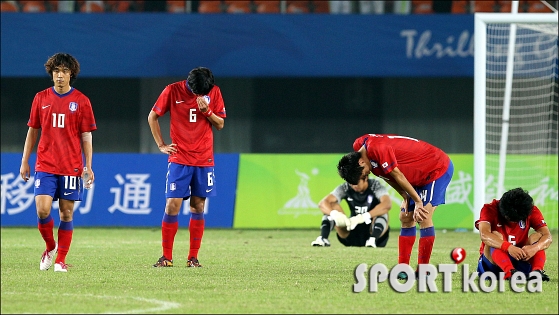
{"type": "Point", "coordinates": [503, 228]}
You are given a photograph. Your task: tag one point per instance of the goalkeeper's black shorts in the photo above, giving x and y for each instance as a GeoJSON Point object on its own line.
{"type": "Point", "coordinates": [360, 237]}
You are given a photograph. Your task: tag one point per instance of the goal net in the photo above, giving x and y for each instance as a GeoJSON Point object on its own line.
{"type": "Point", "coordinates": [515, 108]}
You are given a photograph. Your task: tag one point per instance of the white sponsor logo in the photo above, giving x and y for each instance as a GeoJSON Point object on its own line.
{"type": "Point", "coordinates": [45, 106]}
{"type": "Point", "coordinates": [178, 102]}
{"type": "Point", "coordinates": [67, 193]}
{"type": "Point", "coordinates": [378, 273]}
{"type": "Point", "coordinates": [421, 45]}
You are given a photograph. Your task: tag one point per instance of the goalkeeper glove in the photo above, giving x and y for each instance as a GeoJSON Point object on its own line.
{"type": "Point", "coordinates": [358, 219]}
{"type": "Point", "coordinates": [340, 218]}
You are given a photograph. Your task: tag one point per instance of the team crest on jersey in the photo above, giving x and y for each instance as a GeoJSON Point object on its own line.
{"type": "Point", "coordinates": [369, 199]}
{"type": "Point", "coordinates": [37, 183]}
{"type": "Point", "coordinates": [73, 106]}
{"type": "Point", "coordinates": [207, 99]}
{"type": "Point", "coordinates": [522, 224]}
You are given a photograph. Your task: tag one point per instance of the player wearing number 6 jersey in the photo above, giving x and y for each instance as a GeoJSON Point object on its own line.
{"type": "Point", "coordinates": [503, 227]}
{"type": "Point", "coordinates": [66, 120]}
{"type": "Point", "coordinates": [195, 106]}
{"type": "Point", "coordinates": [417, 170]}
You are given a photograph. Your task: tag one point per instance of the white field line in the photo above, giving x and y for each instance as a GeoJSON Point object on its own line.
{"type": "Point", "coordinates": [160, 305]}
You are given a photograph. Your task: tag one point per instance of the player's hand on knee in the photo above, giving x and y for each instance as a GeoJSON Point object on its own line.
{"type": "Point", "coordinates": [420, 213]}
{"type": "Point", "coordinates": [339, 218]}
{"type": "Point", "coordinates": [516, 252]}
{"type": "Point", "coordinates": [530, 251]}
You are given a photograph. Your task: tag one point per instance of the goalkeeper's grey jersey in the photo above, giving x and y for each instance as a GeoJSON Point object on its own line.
{"type": "Point", "coordinates": [361, 202]}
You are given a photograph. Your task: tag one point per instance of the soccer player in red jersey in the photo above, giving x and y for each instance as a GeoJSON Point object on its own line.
{"type": "Point", "coordinates": [417, 170]}
{"type": "Point", "coordinates": [506, 247]}
{"type": "Point", "coordinates": [195, 106]}
{"type": "Point", "coordinates": [66, 120]}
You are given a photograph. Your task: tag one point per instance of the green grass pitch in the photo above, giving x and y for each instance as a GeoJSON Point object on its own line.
{"type": "Point", "coordinates": [245, 271]}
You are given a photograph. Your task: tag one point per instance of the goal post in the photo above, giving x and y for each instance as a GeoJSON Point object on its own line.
{"type": "Point", "coordinates": [515, 108]}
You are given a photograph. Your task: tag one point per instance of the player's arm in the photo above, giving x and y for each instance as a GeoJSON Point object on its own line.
{"type": "Point", "coordinates": [30, 140]}
{"type": "Point", "coordinates": [329, 203]}
{"type": "Point", "coordinates": [405, 188]}
{"type": "Point", "coordinates": [215, 120]}
{"type": "Point", "coordinates": [405, 185]}
{"type": "Point", "coordinates": [493, 240]}
{"type": "Point", "coordinates": [487, 236]}
{"type": "Point", "coordinates": [542, 244]}
{"type": "Point", "coordinates": [402, 192]}
{"type": "Point", "coordinates": [398, 189]}
{"type": "Point", "coordinates": [153, 121]}
{"type": "Point", "coordinates": [546, 240]}
{"type": "Point", "coordinates": [382, 208]}
{"type": "Point", "coordinates": [87, 145]}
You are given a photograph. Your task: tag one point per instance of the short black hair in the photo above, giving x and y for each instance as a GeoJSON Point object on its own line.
{"type": "Point", "coordinates": [65, 60]}
{"type": "Point", "coordinates": [200, 80]}
{"type": "Point", "coordinates": [349, 168]}
{"type": "Point", "coordinates": [516, 205]}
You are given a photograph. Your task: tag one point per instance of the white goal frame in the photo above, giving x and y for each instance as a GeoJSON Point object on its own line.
{"type": "Point", "coordinates": [480, 30]}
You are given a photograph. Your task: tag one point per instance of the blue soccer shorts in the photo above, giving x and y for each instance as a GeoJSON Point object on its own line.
{"type": "Point", "coordinates": [184, 181]}
{"type": "Point", "coordinates": [484, 265]}
{"type": "Point", "coordinates": [434, 192]}
{"type": "Point", "coordinates": [59, 186]}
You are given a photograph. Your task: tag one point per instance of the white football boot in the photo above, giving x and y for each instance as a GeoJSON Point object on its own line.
{"type": "Point", "coordinates": [371, 242]}
{"type": "Point", "coordinates": [48, 256]}
{"type": "Point", "coordinates": [60, 267]}
{"type": "Point", "coordinates": [324, 242]}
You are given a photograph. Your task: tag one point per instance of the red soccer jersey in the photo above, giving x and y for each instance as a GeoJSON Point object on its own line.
{"type": "Point", "coordinates": [190, 129]}
{"type": "Point", "coordinates": [62, 118]}
{"type": "Point", "coordinates": [419, 161]}
{"type": "Point", "coordinates": [513, 232]}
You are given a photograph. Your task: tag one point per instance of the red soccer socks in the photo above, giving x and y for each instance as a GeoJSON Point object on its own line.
{"type": "Point", "coordinates": [196, 229]}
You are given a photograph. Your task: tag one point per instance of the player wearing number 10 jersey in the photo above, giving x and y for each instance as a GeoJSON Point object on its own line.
{"type": "Point", "coordinates": [65, 117]}
{"type": "Point", "coordinates": [195, 106]}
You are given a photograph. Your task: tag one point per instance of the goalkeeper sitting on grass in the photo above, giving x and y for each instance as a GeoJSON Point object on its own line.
{"type": "Point", "coordinates": [369, 204]}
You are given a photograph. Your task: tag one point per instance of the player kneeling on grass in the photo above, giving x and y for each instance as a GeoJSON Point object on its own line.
{"type": "Point", "coordinates": [503, 228]}
{"type": "Point", "coordinates": [369, 204]}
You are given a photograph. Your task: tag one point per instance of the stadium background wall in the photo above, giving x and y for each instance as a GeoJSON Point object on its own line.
{"type": "Point", "coordinates": [292, 84]}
